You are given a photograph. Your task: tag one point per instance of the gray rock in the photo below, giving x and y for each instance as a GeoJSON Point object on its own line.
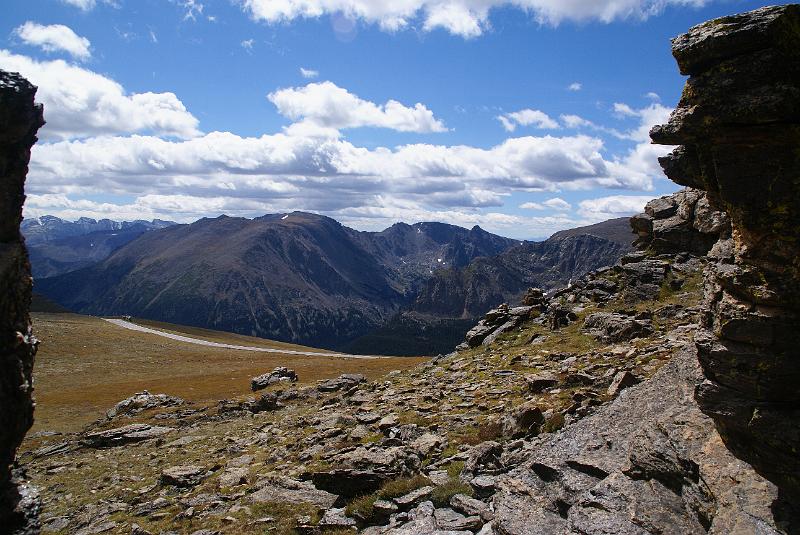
{"type": "Point", "coordinates": [613, 327]}
{"type": "Point", "coordinates": [343, 382]}
{"type": "Point", "coordinates": [471, 507]}
{"type": "Point", "coordinates": [280, 374]}
{"type": "Point", "coordinates": [142, 401]}
{"type": "Point", "coordinates": [541, 381]}
{"type": "Point", "coordinates": [232, 477]}
{"type": "Point", "coordinates": [335, 518]}
{"type": "Point", "coordinates": [124, 435]}
{"type": "Point", "coordinates": [522, 421]}
{"type": "Point", "coordinates": [413, 498]}
{"type": "Point", "coordinates": [648, 462]}
{"type": "Point", "coordinates": [449, 520]}
{"type": "Point", "coordinates": [287, 490]}
{"type": "Point", "coordinates": [183, 476]}
{"type": "Point", "coordinates": [621, 380]}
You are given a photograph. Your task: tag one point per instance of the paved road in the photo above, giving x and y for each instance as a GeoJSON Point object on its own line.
{"type": "Point", "coordinates": [189, 340]}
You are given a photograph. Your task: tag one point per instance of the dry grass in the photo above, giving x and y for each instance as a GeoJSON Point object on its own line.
{"type": "Point", "coordinates": [85, 365]}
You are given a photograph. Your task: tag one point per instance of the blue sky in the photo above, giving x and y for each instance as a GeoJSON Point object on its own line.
{"type": "Point", "coordinates": [525, 117]}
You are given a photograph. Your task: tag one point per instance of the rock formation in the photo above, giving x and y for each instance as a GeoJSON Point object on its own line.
{"type": "Point", "coordinates": [20, 119]}
{"type": "Point", "coordinates": [738, 126]}
{"type": "Point", "coordinates": [681, 222]}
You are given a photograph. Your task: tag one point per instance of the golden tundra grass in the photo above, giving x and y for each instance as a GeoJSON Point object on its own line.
{"type": "Point", "coordinates": [85, 365]}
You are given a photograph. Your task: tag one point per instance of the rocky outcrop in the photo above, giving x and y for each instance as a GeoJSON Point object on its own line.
{"type": "Point", "coordinates": [738, 126]}
{"type": "Point", "coordinates": [20, 119]}
{"type": "Point", "coordinates": [681, 222]}
{"type": "Point", "coordinates": [660, 468]}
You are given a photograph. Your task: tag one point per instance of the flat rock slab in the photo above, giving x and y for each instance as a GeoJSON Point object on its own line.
{"type": "Point", "coordinates": [124, 435]}
{"type": "Point", "coordinates": [286, 490]}
{"type": "Point", "coordinates": [183, 476]}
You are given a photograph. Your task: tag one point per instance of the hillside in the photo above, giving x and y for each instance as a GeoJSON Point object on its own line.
{"type": "Point", "coordinates": [295, 277]}
{"type": "Point", "coordinates": [307, 279]}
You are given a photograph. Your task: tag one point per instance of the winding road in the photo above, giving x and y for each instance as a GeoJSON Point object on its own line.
{"type": "Point", "coordinates": [189, 340]}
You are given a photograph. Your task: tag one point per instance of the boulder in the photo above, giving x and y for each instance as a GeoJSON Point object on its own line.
{"type": "Point", "coordinates": [280, 374]}
{"type": "Point", "coordinates": [287, 490]}
{"type": "Point", "coordinates": [343, 382]}
{"type": "Point", "coordinates": [524, 420]}
{"type": "Point", "coordinates": [142, 401]}
{"type": "Point", "coordinates": [541, 381]}
{"type": "Point", "coordinates": [183, 476]}
{"type": "Point", "coordinates": [613, 327]}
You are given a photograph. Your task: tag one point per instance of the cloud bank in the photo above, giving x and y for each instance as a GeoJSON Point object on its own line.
{"type": "Point", "coordinates": [465, 18]}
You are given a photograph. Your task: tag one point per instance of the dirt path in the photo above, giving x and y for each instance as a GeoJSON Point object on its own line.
{"type": "Point", "coordinates": [189, 340]}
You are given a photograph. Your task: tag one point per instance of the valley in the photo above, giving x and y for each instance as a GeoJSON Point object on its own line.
{"type": "Point", "coordinates": [85, 365]}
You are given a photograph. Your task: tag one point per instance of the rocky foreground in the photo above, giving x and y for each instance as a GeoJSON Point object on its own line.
{"type": "Point", "coordinates": [437, 449]}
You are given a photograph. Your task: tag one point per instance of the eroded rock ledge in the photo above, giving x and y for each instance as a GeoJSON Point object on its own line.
{"type": "Point", "coordinates": [738, 124]}
{"type": "Point", "coordinates": [20, 119]}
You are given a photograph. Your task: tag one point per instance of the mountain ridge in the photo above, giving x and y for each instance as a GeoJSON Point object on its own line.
{"type": "Point", "coordinates": [296, 277]}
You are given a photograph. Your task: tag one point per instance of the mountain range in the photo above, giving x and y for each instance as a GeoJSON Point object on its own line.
{"type": "Point", "coordinates": [306, 278]}
{"type": "Point", "coordinates": [58, 246]}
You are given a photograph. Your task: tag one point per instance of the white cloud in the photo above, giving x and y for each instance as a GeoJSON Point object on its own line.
{"type": "Point", "coordinates": [308, 73]}
{"type": "Point", "coordinates": [575, 86]}
{"type": "Point", "coordinates": [54, 38]}
{"type": "Point", "coordinates": [85, 5]}
{"type": "Point", "coordinates": [88, 5]}
{"type": "Point", "coordinates": [466, 18]}
{"type": "Point", "coordinates": [191, 9]}
{"type": "Point", "coordinates": [247, 44]}
{"type": "Point", "coordinates": [326, 105]}
{"type": "Point", "coordinates": [367, 188]}
{"type": "Point", "coordinates": [532, 206]}
{"type": "Point", "coordinates": [624, 110]}
{"type": "Point", "coordinates": [527, 117]}
{"type": "Point", "coordinates": [613, 206]}
{"type": "Point", "coordinates": [557, 203]}
{"type": "Point", "coordinates": [80, 103]}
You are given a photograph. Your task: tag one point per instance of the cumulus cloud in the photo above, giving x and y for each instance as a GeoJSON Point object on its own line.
{"type": "Point", "coordinates": [612, 206]}
{"type": "Point", "coordinates": [221, 172]}
{"type": "Point", "coordinates": [308, 73]}
{"type": "Point", "coordinates": [82, 103]}
{"type": "Point", "coordinates": [466, 18]}
{"type": "Point", "coordinates": [575, 86]}
{"type": "Point", "coordinates": [557, 203]}
{"type": "Point", "coordinates": [54, 38]}
{"type": "Point", "coordinates": [527, 117]}
{"type": "Point", "coordinates": [532, 206]}
{"type": "Point", "coordinates": [326, 105]}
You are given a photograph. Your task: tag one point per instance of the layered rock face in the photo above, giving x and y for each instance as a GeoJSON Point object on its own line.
{"type": "Point", "coordinates": [738, 127]}
{"type": "Point", "coordinates": [681, 222]}
{"type": "Point", "coordinates": [20, 119]}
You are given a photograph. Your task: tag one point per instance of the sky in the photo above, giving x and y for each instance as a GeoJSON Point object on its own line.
{"type": "Point", "coordinates": [522, 116]}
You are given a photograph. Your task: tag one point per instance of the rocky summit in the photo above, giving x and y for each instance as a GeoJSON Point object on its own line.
{"type": "Point", "coordinates": [657, 395]}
